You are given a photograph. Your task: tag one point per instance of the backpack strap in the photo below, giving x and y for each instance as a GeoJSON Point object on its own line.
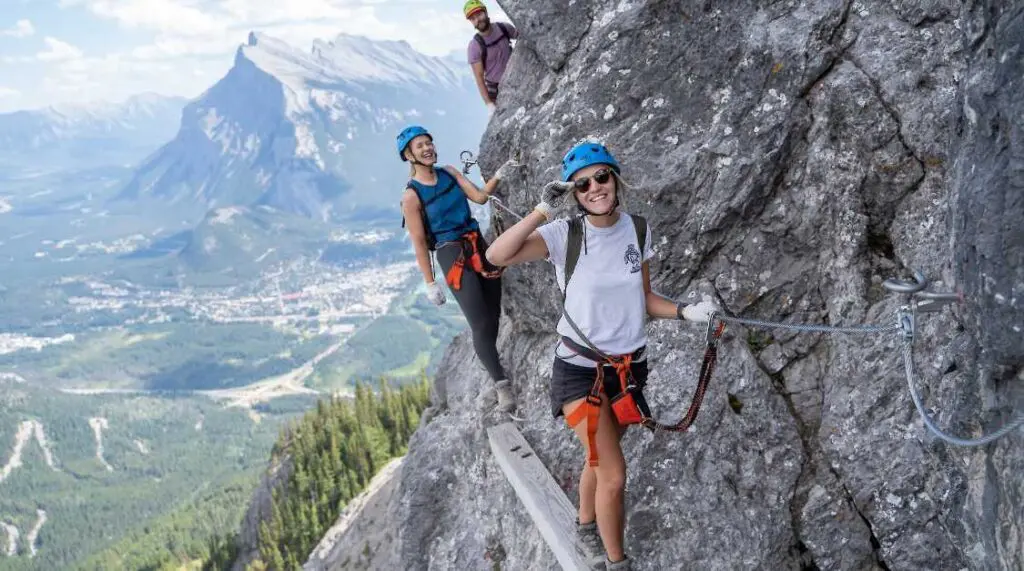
{"type": "Point", "coordinates": [640, 225]}
{"type": "Point", "coordinates": [506, 35]}
{"type": "Point", "coordinates": [572, 250]}
{"type": "Point", "coordinates": [483, 50]}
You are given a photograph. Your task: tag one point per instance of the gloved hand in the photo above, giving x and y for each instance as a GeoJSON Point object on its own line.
{"type": "Point", "coordinates": [699, 312]}
{"type": "Point", "coordinates": [553, 195]}
{"type": "Point", "coordinates": [490, 108]}
{"type": "Point", "coordinates": [435, 294]}
{"type": "Point", "coordinates": [505, 169]}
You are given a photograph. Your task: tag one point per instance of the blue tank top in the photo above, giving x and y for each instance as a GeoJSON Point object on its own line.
{"type": "Point", "coordinates": [446, 208]}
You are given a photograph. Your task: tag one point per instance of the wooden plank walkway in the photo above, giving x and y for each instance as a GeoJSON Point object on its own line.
{"type": "Point", "coordinates": [552, 512]}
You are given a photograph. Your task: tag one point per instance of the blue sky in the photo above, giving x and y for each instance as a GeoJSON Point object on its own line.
{"type": "Point", "coordinates": [78, 51]}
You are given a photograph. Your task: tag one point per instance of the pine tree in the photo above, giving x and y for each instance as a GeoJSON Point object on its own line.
{"type": "Point", "coordinates": [334, 451]}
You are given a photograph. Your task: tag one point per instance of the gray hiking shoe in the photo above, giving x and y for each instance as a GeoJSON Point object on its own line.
{"type": "Point", "coordinates": [487, 398]}
{"type": "Point", "coordinates": [618, 565]}
{"type": "Point", "coordinates": [506, 400]}
{"type": "Point", "coordinates": [591, 541]}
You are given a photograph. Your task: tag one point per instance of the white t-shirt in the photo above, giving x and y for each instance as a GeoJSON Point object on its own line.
{"type": "Point", "coordinates": [606, 295]}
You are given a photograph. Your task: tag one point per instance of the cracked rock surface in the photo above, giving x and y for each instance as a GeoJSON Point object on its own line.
{"type": "Point", "coordinates": [790, 156]}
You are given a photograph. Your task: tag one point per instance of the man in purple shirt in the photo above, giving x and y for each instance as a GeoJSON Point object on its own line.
{"type": "Point", "coordinates": [489, 51]}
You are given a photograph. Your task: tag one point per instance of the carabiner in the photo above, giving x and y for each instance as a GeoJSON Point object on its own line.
{"type": "Point", "coordinates": [466, 162]}
{"type": "Point", "coordinates": [713, 333]}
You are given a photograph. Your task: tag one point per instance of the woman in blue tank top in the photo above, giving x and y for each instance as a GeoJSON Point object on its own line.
{"type": "Point", "coordinates": [438, 218]}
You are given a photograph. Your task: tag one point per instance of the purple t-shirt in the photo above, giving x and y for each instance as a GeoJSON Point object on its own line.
{"type": "Point", "coordinates": [498, 52]}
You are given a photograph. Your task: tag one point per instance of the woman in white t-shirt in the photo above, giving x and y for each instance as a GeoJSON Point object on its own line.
{"type": "Point", "coordinates": [608, 299]}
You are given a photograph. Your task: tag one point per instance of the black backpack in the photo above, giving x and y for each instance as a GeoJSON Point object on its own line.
{"type": "Point", "coordinates": [505, 35]}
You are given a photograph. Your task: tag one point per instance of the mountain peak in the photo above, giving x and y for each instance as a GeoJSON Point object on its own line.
{"type": "Point", "coordinates": [298, 129]}
{"type": "Point", "coordinates": [347, 59]}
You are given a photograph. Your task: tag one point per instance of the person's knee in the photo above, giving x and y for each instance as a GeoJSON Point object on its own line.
{"type": "Point", "coordinates": [484, 327]}
{"type": "Point", "coordinates": [612, 479]}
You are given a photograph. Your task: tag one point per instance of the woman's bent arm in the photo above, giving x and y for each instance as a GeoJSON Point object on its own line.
{"type": "Point", "coordinates": [470, 189]}
{"type": "Point", "coordinates": [520, 243]}
{"type": "Point", "coordinates": [418, 234]}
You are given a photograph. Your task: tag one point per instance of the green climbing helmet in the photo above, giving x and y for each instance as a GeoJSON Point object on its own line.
{"type": "Point", "coordinates": [472, 7]}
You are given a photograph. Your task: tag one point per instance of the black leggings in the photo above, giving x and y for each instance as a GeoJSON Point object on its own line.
{"type": "Point", "coordinates": [480, 300]}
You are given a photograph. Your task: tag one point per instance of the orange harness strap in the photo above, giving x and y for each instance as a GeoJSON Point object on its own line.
{"type": "Point", "coordinates": [476, 261]}
{"type": "Point", "coordinates": [590, 408]}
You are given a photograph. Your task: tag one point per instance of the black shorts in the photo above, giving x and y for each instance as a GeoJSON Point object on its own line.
{"type": "Point", "coordinates": [571, 382]}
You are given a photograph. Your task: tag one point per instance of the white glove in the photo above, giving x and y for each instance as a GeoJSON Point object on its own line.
{"type": "Point", "coordinates": [490, 108]}
{"type": "Point", "coordinates": [553, 196]}
{"type": "Point", "coordinates": [435, 294]}
{"type": "Point", "coordinates": [700, 311]}
{"type": "Point", "coordinates": [504, 169]}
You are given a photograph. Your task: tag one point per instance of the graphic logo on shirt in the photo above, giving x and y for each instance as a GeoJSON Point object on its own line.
{"type": "Point", "coordinates": [632, 259]}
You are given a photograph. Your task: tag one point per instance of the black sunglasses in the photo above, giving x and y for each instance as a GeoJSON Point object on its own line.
{"type": "Point", "coordinates": [583, 184]}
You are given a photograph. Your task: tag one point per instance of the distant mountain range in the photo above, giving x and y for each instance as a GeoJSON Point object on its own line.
{"type": "Point", "coordinates": [88, 135]}
{"type": "Point", "coordinates": [312, 132]}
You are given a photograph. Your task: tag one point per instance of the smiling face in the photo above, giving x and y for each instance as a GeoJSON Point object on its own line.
{"type": "Point", "coordinates": [596, 196]}
{"type": "Point", "coordinates": [480, 21]}
{"type": "Point", "coordinates": [422, 150]}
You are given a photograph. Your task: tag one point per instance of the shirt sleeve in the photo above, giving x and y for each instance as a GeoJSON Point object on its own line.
{"type": "Point", "coordinates": [556, 237]}
{"type": "Point", "coordinates": [473, 54]}
{"type": "Point", "coordinates": [513, 31]}
{"type": "Point", "coordinates": [648, 248]}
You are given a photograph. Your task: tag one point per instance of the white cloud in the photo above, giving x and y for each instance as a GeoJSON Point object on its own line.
{"type": "Point", "coordinates": [174, 16]}
{"type": "Point", "coordinates": [58, 51]}
{"type": "Point", "coordinates": [21, 29]}
{"type": "Point", "coordinates": [8, 92]}
{"type": "Point", "coordinates": [191, 27]}
{"type": "Point", "coordinates": [188, 44]}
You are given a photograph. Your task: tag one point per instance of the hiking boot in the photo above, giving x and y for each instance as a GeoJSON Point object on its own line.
{"type": "Point", "coordinates": [590, 539]}
{"type": "Point", "coordinates": [506, 400]}
{"type": "Point", "coordinates": [617, 566]}
{"type": "Point", "coordinates": [486, 400]}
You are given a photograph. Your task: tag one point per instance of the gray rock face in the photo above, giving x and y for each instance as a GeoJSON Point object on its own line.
{"type": "Point", "coordinates": [790, 156]}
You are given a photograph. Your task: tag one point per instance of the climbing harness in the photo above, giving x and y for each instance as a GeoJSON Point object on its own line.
{"type": "Point", "coordinates": [629, 405]}
{"type": "Point", "coordinates": [469, 248]}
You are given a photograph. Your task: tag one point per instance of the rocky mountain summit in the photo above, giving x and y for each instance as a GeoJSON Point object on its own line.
{"type": "Point", "coordinates": [790, 156]}
{"type": "Point", "coordinates": [303, 131]}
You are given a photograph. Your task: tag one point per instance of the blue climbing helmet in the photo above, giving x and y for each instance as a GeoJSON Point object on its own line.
{"type": "Point", "coordinates": [586, 154]}
{"type": "Point", "coordinates": [406, 137]}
